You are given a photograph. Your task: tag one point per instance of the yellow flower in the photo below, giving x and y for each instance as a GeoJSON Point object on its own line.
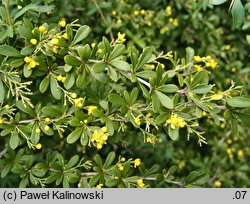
{"type": "Point", "coordinates": [99, 146]}
{"type": "Point", "coordinates": [175, 121]}
{"type": "Point", "coordinates": [138, 120]}
{"type": "Point", "coordinates": [222, 125]}
{"type": "Point", "coordinates": [1, 121]}
{"type": "Point", "coordinates": [121, 37]}
{"type": "Point", "coordinates": [168, 11]}
{"type": "Point", "coordinates": [140, 183]}
{"type": "Point", "coordinates": [149, 140]}
{"type": "Point", "coordinates": [175, 22]}
{"type": "Point", "coordinates": [46, 128]}
{"type": "Point", "coordinates": [7, 107]}
{"type": "Point", "coordinates": [136, 12]}
{"type": "Point", "coordinates": [120, 167]}
{"type": "Point", "coordinates": [62, 23]}
{"type": "Point", "coordinates": [38, 146]}
{"type": "Point", "coordinates": [93, 45]}
{"type": "Point", "coordinates": [229, 151]}
{"type": "Point", "coordinates": [240, 154]}
{"type": "Point", "coordinates": [32, 64]}
{"type": "Point", "coordinates": [91, 109]}
{"type": "Point", "coordinates": [152, 66]}
{"type": "Point", "coordinates": [217, 184]}
{"type": "Point", "coordinates": [33, 41]}
{"type": "Point", "coordinates": [54, 41]}
{"type": "Point", "coordinates": [99, 185]}
{"type": "Point", "coordinates": [59, 78]}
{"type": "Point", "coordinates": [197, 59]}
{"type": "Point", "coordinates": [104, 129]}
{"type": "Point", "coordinates": [47, 120]}
{"type": "Point", "coordinates": [28, 59]}
{"type": "Point", "coordinates": [123, 159]}
{"type": "Point", "coordinates": [113, 12]}
{"type": "Point", "coordinates": [233, 69]}
{"type": "Point", "coordinates": [149, 24]}
{"type": "Point", "coordinates": [99, 51]}
{"type": "Point", "coordinates": [171, 20]}
{"type": "Point", "coordinates": [198, 68]}
{"type": "Point", "coordinates": [42, 29]}
{"type": "Point", "coordinates": [142, 11]}
{"type": "Point", "coordinates": [227, 47]}
{"type": "Point", "coordinates": [65, 36]}
{"type": "Point", "coordinates": [78, 102]}
{"type": "Point", "coordinates": [137, 162]}
{"type": "Point", "coordinates": [217, 97]}
{"type": "Point", "coordinates": [63, 79]}
{"type": "Point", "coordinates": [229, 141]}
{"type": "Point", "coordinates": [119, 21]}
{"type": "Point", "coordinates": [38, 131]}
{"type": "Point", "coordinates": [74, 95]}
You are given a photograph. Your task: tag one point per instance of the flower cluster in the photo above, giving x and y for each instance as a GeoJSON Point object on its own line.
{"type": "Point", "coordinates": [100, 137]}
{"type": "Point", "coordinates": [175, 121]}
{"type": "Point", "coordinates": [202, 62]}
{"type": "Point", "coordinates": [31, 62]}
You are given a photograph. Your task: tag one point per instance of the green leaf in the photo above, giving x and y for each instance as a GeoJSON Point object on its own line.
{"type": "Point", "coordinates": [169, 88]}
{"type": "Point", "coordinates": [196, 178]}
{"type": "Point", "coordinates": [201, 89]}
{"type": "Point", "coordinates": [25, 32]}
{"type": "Point", "coordinates": [6, 170]}
{"type": "Point", "coordinates": [239, 102]}
{"type": "Point", "coordinates": [243, 117]}
{"type": "Point", "coordinates": [75, 135]}
{"type": "Point", "coordinates": [72, 162]}
{"type": "Point", "coordinates": [99, 67]}
{"type": "Point", "coordinates": [17, 63]}
{"type": "Point", "coordinates": [144, 57]}
{"type": "Point", "coordinates": [70, 80]}
{"type": "Point", "coordinates": [55, 90]}
{"type": "Point", "coordinates": [173, 133]}
{"type": "Point", "coordinates": [33, 7]}
{"type": "Point", "coordinates": [118, 50]}
{"type": "Point", "coordinates": [14, 140]}
{"type": "Point", "coordinates": [116, 99]}
{"type": "Point", "coordinates": [200, 78]}
{"type": "Point", "coordinates": [165, 100]}
{"type": "Point", "coordinates": [155, 102]}
{"type": "Point", "coordinates": [217, 2]}
{"type": "Point", "coordinates": [44, 84]}
{"type": "Point", "coordinates": [248, 39]}
{"type": "Point", "coordinates": [238, 13]}
{"type": "Point", "coordinates": [2, 91]}
{"type": "Point", "coordinates": [25, 108]}
{"type": "Point", "coordinates": [72, 61]}
{"type": "Point", "coordinates": [146, 74]}
{"type": "Point", "coordinates": [7, 50]}
{"type": "Point", "coordinates": [120, 64]}
{"type": "Point", "coordinates": [109, 160]}
{"type": "Point", "coordinates": [84, 52]}
{"type": "Point", "coordinates": [98, 160]}
{"type": "Point", "coordinates": [81, 34]}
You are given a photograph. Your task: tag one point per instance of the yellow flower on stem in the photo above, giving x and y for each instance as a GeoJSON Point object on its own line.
{"type": "Point", "coordinates": [175, 121]}
{"type": "Point", "coordinates": [217, 184]}
{"type": "Point", "coordinates": [42, 29]}
{"type": "Point", "coordinates": [217, 97]}
{"type": "Point", "coordinates": [62, 23]}
{"type": "Point", "coordinates": [91, 109]}
{"type": "Point", "coordinates": [137, 162]}
{"type": "Point", "coordinates": [38, 146]}
{"type": "Point", "coordinates": [140, 183]}
{"type": "Point", "coordinates": [138, 120]}
{"type": "Point", "coordinates": [99, 185]}
{"type": "Point", "coordinates": [121, 37]}
{"type": "Point", "coordinates": [33, 41]}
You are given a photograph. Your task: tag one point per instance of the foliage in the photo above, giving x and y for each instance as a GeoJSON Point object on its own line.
{"type": "Point", "coordinates": [80, 110]}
